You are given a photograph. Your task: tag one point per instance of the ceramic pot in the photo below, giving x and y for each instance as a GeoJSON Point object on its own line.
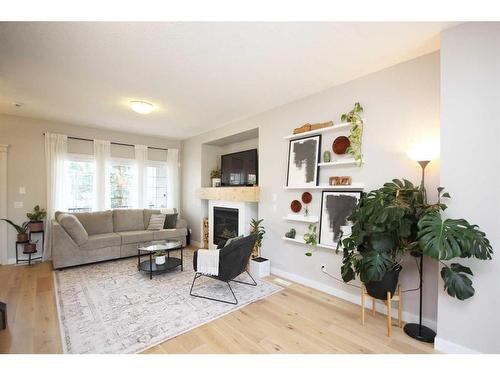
{"type": "Point", "coordinates": [35, 226]}
{"type": "Point", "coordinates": [160, 260]}
{"type": "Point", "coordinates": [389, 283]}
{"type": "Point", "coordinates": [22, 237]}
{"type": "Point", "coordinates": [215, 182]}
{"type": "Point", "coordinates": [29, 248]}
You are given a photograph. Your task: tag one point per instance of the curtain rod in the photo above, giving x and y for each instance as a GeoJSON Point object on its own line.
{"type": "Point", "coordinates": [115, 143]}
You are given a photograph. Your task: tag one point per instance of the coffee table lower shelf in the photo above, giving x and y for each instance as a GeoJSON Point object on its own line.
{"type": "Point", "coordinates": [153, 268]}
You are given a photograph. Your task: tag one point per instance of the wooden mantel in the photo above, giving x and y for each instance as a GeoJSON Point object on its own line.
{"type": "Point", "coordinates": [234, 194]}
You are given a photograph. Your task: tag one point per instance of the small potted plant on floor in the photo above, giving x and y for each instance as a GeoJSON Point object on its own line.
{"type": "Point", "coordinates": [258, 266]}
{"type": "Point", "coordinates": [36, 219]}
{"type": "Point", "coordinates": [22, 230]}
{"type": "Point", "coordinates": [160, 257]}
{"type": "Point", "coordinates": [215, 176]}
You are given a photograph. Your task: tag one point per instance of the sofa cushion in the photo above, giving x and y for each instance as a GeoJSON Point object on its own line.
{"type": "Point", "coordinates": [147, 216]}
{"type": "Point", "coordinates": [98, 222]}
{"type": "Point", "coordinates": [128, 219]}
{"type": "Point", "coordinates": [166, 234]}
{"type": "Point", "coordinates": [74, 228]}
{"type": "Point", "coordinates": [136, 236]}
{"type": "Point", "coordinates": [98, 241]}
{"type": "Point", "coordinates": [156, 222]}
{"type": "Point", "coordinates": [170, 221]}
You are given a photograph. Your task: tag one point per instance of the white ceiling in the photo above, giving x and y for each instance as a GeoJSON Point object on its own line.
{"type": "Point", "coordinates": [199, 76]}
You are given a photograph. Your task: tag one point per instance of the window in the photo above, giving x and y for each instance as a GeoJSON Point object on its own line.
{"type": "Point", "coordinates": [122, 181]}
{"type": "Point", "coordinates": [79, 172]}
{"type": "Point", "coordinates": [156, 186]}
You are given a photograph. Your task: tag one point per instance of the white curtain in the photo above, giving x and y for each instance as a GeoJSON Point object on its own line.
{"type": "Point", "coordinates": [56, 147]}
{"type": "Point", "coordinates": [102, 156]}
{"type": "Point", "coordinates": [141, 158]}
{"type": "Point", "coordinates": [173, 200]}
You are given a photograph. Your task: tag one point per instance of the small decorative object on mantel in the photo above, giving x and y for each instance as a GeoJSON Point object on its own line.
{"type": "Point", "coordinates": [340, 180]}
{"type": "Point", "coordinates": [340, 145]}
{"type": "Point", "coordinates": [296, 206]}
{"type": "Point", "coordinates": [215, 176]}
{"type": "Point", "coordinates": [36, 219]}
{"type": "Point", "coordinates": [308, 127]}
{"type": "Point", "coordinates": [356, 134]}
{"type": "Point", "coordinates": [327, 156]}
{"type": "Point", "coordinates": [291, 233]}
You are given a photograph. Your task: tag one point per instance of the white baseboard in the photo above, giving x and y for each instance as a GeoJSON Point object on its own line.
{"type": "Point", "coordinates": [11, 261]}
{"type": "Point", "coordinates": [448, 347]}
{"type": "Point", "coordinates": [351, 297]}
{"type": "Point", "coordinates": [196, 244]}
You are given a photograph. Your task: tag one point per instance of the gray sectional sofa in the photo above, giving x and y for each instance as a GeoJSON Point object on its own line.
{"type": "Point", "coordinates": [109, 235]}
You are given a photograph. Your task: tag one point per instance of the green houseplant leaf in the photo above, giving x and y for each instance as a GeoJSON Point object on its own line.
{"type": "Point", "coordinates": [456, 282]}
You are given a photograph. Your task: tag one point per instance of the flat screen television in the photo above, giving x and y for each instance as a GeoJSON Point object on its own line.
{"type": "Point", "coordinates": [240, 168]}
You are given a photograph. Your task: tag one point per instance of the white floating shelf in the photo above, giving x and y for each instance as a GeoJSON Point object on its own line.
{"type": "Point", "coordinates": [302, 218]}
{"type": "Point", "coordinates": [302, 242]}
{"type": "Point", "coordinates": [343, 126]}
{"type": "Point", "coordinates": [354, 186]}
{"type": "Point", "coordinates": [342, 162]}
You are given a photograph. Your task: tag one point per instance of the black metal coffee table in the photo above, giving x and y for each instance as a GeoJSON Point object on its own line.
{"type": "Point", "coordinates": [170, 262]}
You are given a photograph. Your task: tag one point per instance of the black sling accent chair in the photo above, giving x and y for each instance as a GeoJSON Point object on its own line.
{"type": "Point", "coordinates": [233, 261]}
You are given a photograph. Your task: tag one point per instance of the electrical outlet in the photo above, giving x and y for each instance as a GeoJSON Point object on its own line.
{"type": "Point", "coordinates": [22, 190]}
{"type": "Point", "coordinates": [18, 204]}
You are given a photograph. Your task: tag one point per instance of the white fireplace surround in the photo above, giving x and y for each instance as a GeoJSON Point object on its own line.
{"type": "Point", "coordinates": [246, 212]}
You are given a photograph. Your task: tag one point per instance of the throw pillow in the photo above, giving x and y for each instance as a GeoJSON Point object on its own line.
{"type": "Point", "coordinates": [156, 222]}
{"type": "Point", "coordinates": [74, 228]}
{"type": "Point", "coordinates": [232, 240]}
{"type": "Point", "coordinates": [170, 221]}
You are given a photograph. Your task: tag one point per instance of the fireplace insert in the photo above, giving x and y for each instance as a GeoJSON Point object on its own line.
{"type": "Point", "coordinates": [225, 223]}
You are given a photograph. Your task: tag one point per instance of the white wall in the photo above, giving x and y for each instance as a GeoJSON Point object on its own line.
{"type": "Point", "coordinates": [470, 112]}
{"type": "Point", "coordinates": [26, 158]}
{"type": "Point", "coordinates": [401, 107]}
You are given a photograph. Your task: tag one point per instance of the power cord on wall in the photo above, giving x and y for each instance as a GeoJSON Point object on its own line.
{"type": "Point", "coordinates": [323, 269]}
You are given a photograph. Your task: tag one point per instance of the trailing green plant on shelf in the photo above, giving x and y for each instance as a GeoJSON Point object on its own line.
{"type": "Point", "coordinates": [356, 134]}
{"type": "Point", "coordinates": [395, 220]}
{"type": "Point", "coordinates": [311, 238]}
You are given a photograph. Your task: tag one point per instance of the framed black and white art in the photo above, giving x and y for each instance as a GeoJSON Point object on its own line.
{"type": "Point", "coordinates": [303, 159]}
{"type": "Point", "coordinates": [336, 207]}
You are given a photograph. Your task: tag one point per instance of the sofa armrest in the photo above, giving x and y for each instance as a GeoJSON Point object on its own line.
{"type": "Point", "coordinates": [181, 223]}
{"type": "Point", "coordinates": [61, 243]}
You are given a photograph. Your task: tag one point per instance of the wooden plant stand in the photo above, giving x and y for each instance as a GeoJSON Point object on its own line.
{"type": "Point", "coordinates": [397, 297]}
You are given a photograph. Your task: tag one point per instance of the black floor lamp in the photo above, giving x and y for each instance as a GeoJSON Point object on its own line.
{"type": "Point", "coordinates": [422, 154]}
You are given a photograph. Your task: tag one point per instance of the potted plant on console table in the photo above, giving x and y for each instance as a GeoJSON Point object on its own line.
{"type": "Point", "coordinates": [394, 220]}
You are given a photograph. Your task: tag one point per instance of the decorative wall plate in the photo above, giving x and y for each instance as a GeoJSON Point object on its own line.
{"type": "Point", "coordinates": [306, 197]}
{"type": "Point", "coordinates": [296, 206]}
{"type": "Point", "coordinates": [340, 145]}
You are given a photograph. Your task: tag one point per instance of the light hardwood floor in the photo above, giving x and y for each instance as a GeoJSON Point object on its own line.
{"type": "Point", "coordinates": [296, 320]}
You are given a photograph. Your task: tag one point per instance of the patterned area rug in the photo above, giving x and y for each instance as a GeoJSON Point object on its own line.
{"type": "Point", "coordinates": [111, 307]}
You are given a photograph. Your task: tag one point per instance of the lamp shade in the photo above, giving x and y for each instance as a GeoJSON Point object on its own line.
{"type": "Point", "coordinates": [424, 151]}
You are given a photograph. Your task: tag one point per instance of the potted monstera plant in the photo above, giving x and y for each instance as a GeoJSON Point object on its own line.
{"type": "Point", "coordinates": [395, 220]}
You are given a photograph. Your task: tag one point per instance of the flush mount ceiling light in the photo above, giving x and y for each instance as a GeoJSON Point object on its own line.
{"type": "Point", "coordinates": [141, 107]}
